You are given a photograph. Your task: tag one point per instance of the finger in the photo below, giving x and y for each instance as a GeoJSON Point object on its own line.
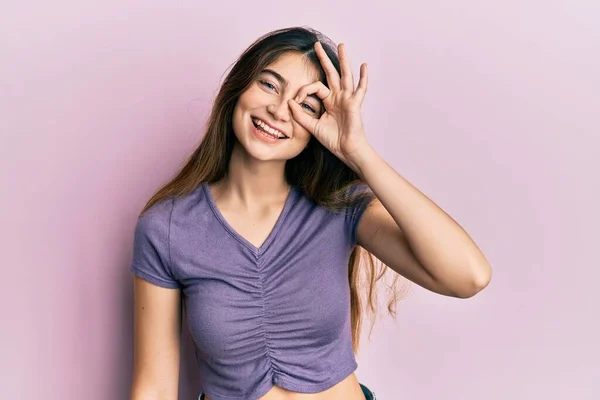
{"type": "Point", "coordinates": [361, 89]}
{"type": "Point", "coordinates": [318, 88]}
{"type": "Point", "coordinates": [347, 77]}
{"type": "Point", "coordinates": [305, 120]}
{"type": "Point", "coordinates": [333, 78]}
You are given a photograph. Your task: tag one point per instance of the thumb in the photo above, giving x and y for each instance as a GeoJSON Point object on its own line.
{"type": "Point", "coordinates": [305, 120]}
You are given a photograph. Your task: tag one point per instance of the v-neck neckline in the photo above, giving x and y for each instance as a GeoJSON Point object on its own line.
{"type": "Point", "coordinates": [258, 251]}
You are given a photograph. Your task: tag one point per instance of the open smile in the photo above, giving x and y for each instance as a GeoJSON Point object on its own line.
{"type": "Point", "coordinates": [267, 129]}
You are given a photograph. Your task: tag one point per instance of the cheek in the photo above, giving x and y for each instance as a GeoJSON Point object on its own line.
{"type": "Point", "coordinates": [252, 98]}
{"type": "Point", "coordinates": [300, 133]}
{"type": "Point", "coordinates": [236, 118]}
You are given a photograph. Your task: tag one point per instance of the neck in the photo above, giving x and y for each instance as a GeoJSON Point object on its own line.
{"type": "Point", "coordinates": [254, 182]}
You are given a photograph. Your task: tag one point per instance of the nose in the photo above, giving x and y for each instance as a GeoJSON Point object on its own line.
{"type": "Point", "coordinates": [280, 110]}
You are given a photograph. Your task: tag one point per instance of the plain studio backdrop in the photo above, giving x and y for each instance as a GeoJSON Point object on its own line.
{"type": "Point", "coordinates": [490, 108]}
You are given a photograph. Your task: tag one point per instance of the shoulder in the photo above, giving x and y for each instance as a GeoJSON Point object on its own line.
{"type": "Point", "coordinates": [157, 214]}
{"type": "Point", "coordinates": [176, 208]}
{"type": "Point", "coordinates": [153, 226]}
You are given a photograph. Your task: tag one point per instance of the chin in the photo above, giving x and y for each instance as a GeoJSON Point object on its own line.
{"type": "Point", "coordinates": [261, 152]}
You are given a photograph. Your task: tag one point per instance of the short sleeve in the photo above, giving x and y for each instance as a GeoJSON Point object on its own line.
{"type": "Point", "coordinates": [355, 212]}
{"type": "Point", "coordinates": [151, 255]}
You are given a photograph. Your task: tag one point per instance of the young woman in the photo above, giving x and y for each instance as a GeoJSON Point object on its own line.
{"type": "Point", "coordinates": [259, 235]}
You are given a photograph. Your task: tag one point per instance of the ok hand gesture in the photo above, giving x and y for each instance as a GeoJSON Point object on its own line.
{"type": "Point", "coordinates": [340, 128]}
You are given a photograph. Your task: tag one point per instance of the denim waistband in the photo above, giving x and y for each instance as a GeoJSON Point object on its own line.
{"type": "Point", "coordinates": [369, 394]}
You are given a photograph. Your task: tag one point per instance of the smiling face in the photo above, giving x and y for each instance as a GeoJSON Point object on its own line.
{"type": "Point", "coordinates": [266, 102]}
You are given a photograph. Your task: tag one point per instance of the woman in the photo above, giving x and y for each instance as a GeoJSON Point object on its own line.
{"type": "Point", "coordinates": [258, 236]}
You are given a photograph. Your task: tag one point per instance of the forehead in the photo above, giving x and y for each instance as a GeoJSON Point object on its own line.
{"type": "Point", "coordinates": [296, 69]}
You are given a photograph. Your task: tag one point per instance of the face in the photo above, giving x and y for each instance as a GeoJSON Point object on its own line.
{"type": "Point", "coordinates": [266, 102]}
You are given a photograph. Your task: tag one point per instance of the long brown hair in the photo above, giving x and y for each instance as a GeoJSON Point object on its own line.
{"type": "Point", "coordinates": [316, 171]}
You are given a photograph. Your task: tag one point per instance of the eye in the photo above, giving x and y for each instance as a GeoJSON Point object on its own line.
{"type": "Point", "coordinates": [267, 84]}
{"type": "Point", "coordinates": [309, 107]}
{"type": "Point", "coordinates": [272, 87]}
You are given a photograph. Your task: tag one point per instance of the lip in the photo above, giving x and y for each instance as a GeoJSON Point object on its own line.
{"type": "Point", "coordinates": [271, 126]}
{"type": "Point", "coordinates": [262, 137]}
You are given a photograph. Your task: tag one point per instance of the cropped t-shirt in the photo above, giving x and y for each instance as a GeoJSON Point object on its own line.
{"type": "Point", "coordinates": [278, 314]}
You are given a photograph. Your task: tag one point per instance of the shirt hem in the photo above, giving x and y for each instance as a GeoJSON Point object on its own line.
{"type": "Point", "coordinates": [334, 379]}
{"type": "Point", "coordinates": [153, 279]}
{"type": "Point", "coordinates": [289, 384]}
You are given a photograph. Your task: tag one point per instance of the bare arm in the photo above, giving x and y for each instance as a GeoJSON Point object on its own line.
{"type": "Point", "coordinates": [415, 237]}
{"type": "Point", "coordinates": [157, 338]}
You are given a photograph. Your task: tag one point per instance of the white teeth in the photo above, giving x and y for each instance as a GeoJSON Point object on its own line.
{"type": "Point", "coordinates": [268, 129]}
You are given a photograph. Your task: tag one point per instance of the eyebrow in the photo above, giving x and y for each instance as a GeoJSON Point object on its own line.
{"type": "Point", "coordinates": [284, 82]}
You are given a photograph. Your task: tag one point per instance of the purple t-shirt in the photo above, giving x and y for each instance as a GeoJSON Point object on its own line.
{"type": "Point", "coordinates": [274, 315]}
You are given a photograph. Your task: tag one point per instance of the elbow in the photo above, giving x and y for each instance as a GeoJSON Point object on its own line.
{"type": "Point", "coordinates": [479, 281]}
{"type": "Point", "coordinates": [152, 392]}
{"type": "Point", "coordinates": [150, 395]}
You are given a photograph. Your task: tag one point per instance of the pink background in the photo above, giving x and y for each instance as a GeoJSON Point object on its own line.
{"type": "Point", "coordinates": [490, 108]}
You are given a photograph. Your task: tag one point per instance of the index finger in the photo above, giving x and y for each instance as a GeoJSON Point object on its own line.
{"type": "Point", "coordinates": [333, 78]}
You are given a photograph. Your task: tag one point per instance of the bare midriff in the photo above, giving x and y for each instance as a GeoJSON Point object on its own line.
{"type": "Point", "coordinates": [348, 389]}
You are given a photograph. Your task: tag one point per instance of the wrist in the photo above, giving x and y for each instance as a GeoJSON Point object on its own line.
{"type": "Point", "coordinates": [363, 157]}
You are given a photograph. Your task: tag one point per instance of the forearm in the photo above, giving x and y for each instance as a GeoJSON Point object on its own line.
{"type": "Point", "coordinates": [439, 243]}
